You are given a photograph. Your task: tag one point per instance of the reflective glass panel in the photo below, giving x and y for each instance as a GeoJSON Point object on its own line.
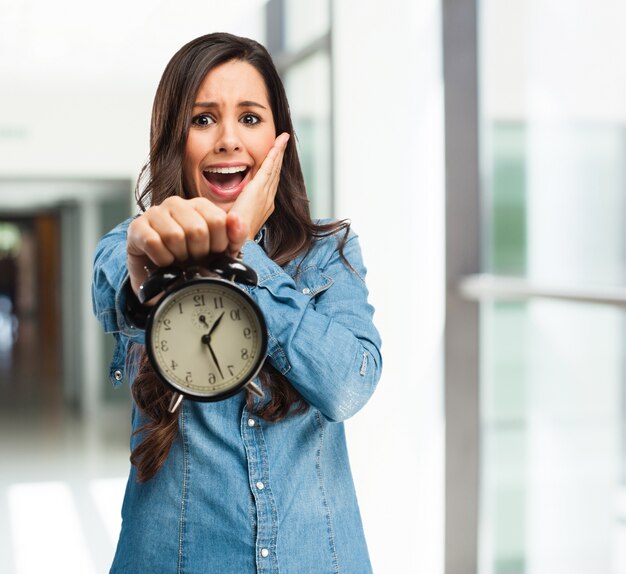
{"type": "Point", "coordinates": [308, 90]}
{"type": "Point", "coordinates": [305, 22]}
{"type": "Point", "coordinates": [553, 143]}
{"type": "Point", "coordinates": [553, 494]}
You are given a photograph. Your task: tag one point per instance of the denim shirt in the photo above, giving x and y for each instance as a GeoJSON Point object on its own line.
{"type": "Point", "coordinates": [238, 494]}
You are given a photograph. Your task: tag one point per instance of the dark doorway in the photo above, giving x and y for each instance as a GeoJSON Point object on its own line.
{"type": "Point", "coordinates": [30, 311]}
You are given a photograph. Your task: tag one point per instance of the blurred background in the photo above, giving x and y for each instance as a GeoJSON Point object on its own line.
{"type": "Point", "coordinates": [479, 149]}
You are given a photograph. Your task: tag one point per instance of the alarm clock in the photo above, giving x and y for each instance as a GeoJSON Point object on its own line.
{"type": "Point", "coordinates": [206, 338]}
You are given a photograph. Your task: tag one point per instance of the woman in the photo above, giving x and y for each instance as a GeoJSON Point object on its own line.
{"type": "Point", "coordinates": [245, 484]}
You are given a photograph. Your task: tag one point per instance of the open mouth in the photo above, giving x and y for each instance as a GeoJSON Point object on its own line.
{"type": "Point", "coordinates": [225, 180]}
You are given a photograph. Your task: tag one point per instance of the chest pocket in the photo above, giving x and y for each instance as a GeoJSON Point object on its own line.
{"type": "Point", "coordinates": [311, 281]}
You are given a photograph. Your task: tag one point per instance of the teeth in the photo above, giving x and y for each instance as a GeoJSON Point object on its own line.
{"type": "Point", "coordinates": [235, 169]}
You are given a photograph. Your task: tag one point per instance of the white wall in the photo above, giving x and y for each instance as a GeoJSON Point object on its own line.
{"type": "Point", "coordinates": [81, 109]}
{"type": "Point", "coordinates": [389, 181]}
{"type": "Point", "coordinates": [78, 78]}
{"type": "Point", "coordinates": [78, 81]}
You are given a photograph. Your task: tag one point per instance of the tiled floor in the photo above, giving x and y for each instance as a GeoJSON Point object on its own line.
{"type": "Point", "coordinates": [62, 476]}
{"type": "Point", "coordinates": [61, 486]}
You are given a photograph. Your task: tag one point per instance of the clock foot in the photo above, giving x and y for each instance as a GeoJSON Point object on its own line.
{"type": "Point", "coordinates": [258, 391]}
{"type": "Point", "coordinates": [177, 398]}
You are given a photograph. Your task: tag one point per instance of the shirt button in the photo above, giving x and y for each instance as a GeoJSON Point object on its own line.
{"type": "Point", "coordinates": [260, 485]}
{"type": "Point", "coordinates": [118, 375]}
{"type": "Point", "coordinates": [251, 422]}
{"type": "Point", "coordinates": [306, 290]}
{"type": "Point", "coordinates": [265, 552]}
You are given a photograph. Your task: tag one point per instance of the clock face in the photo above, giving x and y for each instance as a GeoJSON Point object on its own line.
{"type": "Point", "coordinates": [207, 339]}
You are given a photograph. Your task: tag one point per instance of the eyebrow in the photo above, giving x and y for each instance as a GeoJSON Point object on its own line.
{"type": "Point", "coordinates": [244, 104]}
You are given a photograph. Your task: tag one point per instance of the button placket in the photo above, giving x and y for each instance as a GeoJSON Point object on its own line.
{"type": "Point", "coordinates": [259, 479]}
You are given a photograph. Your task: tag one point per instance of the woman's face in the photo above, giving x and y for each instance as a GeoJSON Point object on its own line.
{"type": "Point", "coordinates": [231, 132]}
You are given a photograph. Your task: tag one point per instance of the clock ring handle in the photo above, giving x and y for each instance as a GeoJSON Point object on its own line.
{"type": "Point", "coordinates": [232, 269]}
{"type": "Point", "coordinates": [158, 282]}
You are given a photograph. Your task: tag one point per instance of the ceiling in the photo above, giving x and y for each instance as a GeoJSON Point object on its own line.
{"type": "Point", "coordinates": [75, 74]}
{"type": "Point", "coordinates": [61, 43]}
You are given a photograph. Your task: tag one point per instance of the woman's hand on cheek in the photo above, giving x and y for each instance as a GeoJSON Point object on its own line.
{"type": "Point", "coordinates": [256, 202]}
{"type": "Point", "coordinates": [174, 231]}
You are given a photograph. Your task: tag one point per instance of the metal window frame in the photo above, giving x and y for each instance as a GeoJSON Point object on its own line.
{"type": "Point", "coordinates": [486, 287]}
{"type": "Point", "coordinates": [285, 60]}
{"type": "Point", "coordinates": [463, 258]}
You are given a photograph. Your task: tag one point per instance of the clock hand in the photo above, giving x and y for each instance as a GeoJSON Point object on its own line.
{"type": "Point", "coordinates": [217, 322]}
{"type": "Point", "coordinates": [206, 339]}
{"type": "Point", "coordinates": [202, 320]}
{"type": "Point", "coordinates": [215, 361]}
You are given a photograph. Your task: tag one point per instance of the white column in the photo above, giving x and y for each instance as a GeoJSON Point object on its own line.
{"type": "Point", "coordinates": [388, 97]}
{"type": "Point", "coordinates": [92, 364]}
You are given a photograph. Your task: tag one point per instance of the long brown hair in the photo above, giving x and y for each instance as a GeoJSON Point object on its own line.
{"type": "Point", "coordinates": [290, 227]}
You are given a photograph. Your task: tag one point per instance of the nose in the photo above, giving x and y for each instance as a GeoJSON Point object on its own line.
{"type": "Point", "coordinates": [228, 138]}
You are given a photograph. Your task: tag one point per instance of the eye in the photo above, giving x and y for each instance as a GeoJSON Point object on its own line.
{"type": "Point", "coordinates": [250, 119]}
{"type": "Point", "coordinates": [202, 120]}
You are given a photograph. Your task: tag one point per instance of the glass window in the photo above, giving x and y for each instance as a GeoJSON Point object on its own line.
{"type": "Point", "coordinates": [308, 89]}
{"type": "Point", "coordinates": [305, 22]}
{"type": "Point", "coordinates": [553, 142]}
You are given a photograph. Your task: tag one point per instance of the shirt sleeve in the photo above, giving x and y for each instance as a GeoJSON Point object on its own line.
{"type": "Point", "coordinates": [322, 339]}
{"type": "Point", "coordinates": [110, 274]}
